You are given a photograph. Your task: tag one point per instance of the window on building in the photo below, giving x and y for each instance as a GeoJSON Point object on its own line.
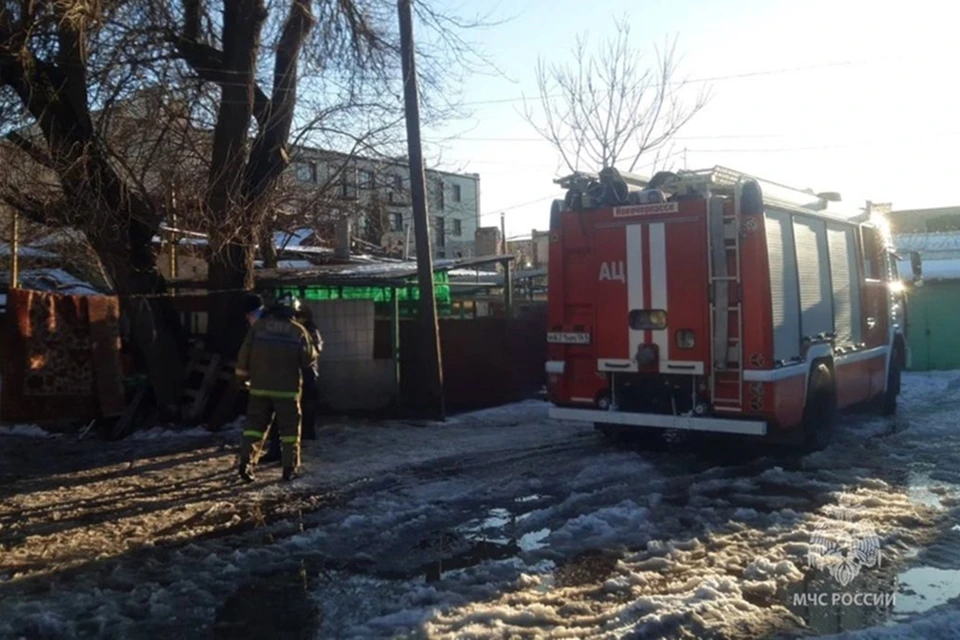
{"type": "Point", "coordinates": [307, 172]}
{"type": "Point", "coordinates": [366, 180]}
{"type": "Point", "coordinates": [438, 225]}
{"type": "Point", "coordinates": [348, 182]}
{"type": "Point", "coordinates": [457, 229]}
{"type": "Point", "coordinates": [396, 222]}
{"type": "Point", "coordinates": [456, 193]}
{"type": "Point", "coordinates": [398, 182]}
{"type": "Point", "coordinates": [438, 195]}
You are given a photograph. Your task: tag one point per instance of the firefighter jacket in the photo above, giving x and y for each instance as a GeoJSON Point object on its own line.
{"type": "Point", "coordinates": [317, 341]}
{"type": "Point", "coordinates": [272, 356]}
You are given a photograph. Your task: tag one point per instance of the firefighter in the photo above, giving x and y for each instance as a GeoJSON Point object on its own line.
{"type": "Point", "coordinates": [309, 398]}
{"type": "Point", "coordinates": [272, 358]}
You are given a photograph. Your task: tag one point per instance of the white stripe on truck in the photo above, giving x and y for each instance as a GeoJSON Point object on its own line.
{"type": "Point", "coordinates": [634, 281]}
{"type": "Point", "coordinates": [658, 284]}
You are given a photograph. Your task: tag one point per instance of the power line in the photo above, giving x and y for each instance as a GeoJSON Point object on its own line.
{"type": "Point", "coordinates": [886, 142]}
{"type": "Point", "coordinates": [533, 139]}
{"type": "Point", "coordinates": [522, 204]}
{"type": "Point", "coordinates": [735, 76]}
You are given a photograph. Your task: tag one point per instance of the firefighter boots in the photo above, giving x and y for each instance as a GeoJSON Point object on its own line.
{"type": "Point", "coordinates": [246, 470]}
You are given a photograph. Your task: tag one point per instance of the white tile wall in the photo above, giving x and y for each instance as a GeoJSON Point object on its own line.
{"type": "Point", "coordinates": [346, 327]}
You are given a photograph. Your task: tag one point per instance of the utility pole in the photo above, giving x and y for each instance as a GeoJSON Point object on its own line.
{"type": "Point", "coordinates": [503, 234]}
{"type": "Point", "coordinates": [430, 350]}
{"type": "Point", "coordinates": [15, 249]}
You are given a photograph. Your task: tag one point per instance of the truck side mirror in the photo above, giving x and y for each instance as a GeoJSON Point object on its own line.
{"type": "Point", "coordinates": [916, 266]}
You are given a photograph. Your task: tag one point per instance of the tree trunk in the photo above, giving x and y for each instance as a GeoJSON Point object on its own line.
{"type": "Point", "coordinates": [230, 274]}
{"type": "Point", "coordinates": [268, 247]}
{"type": "Point", "coordinates": [155, 329]}
{"type": "Point", "coordinates": [231, 265]}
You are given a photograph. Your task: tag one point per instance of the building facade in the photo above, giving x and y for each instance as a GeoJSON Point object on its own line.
{"type": "Point", "coordinates": [376, 194]}
{"type": "Point", "coordinates": [532, 252]}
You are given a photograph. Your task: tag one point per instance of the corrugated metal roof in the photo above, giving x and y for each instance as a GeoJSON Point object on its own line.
{"type": "Point", "coordinates": [923, 242]}
{"type": "Point", "coordinates": [382, 273]}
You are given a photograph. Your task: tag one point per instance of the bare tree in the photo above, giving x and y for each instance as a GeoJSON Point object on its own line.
{"type": "Point", "coordinates": [611, 105]}
{"type": "Point", "coordinates": [65, 66]}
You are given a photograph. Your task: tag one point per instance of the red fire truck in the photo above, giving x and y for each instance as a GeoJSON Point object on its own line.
{"type": "Point", "coordinates": [715, 301]}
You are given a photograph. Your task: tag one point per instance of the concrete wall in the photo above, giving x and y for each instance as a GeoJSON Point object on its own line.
{"type": "Point", "coordinates": [488, 241]}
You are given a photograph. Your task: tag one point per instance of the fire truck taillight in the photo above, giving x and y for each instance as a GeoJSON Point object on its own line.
{"type": "Point", "coordinates": [647, 319]}
{"type": "Point", "coordinates": [685, 339]}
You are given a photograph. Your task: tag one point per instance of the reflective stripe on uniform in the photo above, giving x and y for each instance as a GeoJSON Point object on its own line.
{"type": "Point", "coordinates": [250, 433]}
{"type": "Point", "coordinates": [280, 395]}
{"type": "Point", "coordinates": [289, 439]}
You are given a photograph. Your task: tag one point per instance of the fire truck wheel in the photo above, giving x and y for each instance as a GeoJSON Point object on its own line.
{"type": "Point", "coordinates": [819, 412]}
{"type": "Point", "coordinates": [888, 401]}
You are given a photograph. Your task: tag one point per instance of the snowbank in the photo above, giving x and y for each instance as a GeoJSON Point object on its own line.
{"type": "Point", "coordinates": [939, 626]}
{"type": "Point", "coordinates": [27, 431]}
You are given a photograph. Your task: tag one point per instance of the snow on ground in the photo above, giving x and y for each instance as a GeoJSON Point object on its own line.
{"type": "Point", "coordinates": [500, 523]}
{"type": "Point", "coordinates": [27, 431]}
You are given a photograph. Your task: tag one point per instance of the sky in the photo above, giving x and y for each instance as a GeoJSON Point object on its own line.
{"type": "Point", "coordinates": [849, 96]}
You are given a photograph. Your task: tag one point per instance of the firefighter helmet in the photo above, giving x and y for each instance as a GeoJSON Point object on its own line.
{"type": "Point", "coordinates": [289, 301]}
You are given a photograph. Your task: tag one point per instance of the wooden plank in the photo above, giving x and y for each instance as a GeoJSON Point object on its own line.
{"type": "Point", "coordinates": [124, 423]}
{"type": "Point", "coordinates": [195, 411]}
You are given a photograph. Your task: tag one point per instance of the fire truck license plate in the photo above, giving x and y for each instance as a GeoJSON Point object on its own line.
{"type": "Point", "coordinates": [569, 338]}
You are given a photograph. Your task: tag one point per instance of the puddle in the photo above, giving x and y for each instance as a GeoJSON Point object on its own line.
{"type": "Point", "coordinates": [490, 537]}
{"type": "Point", "coordinates": [272, 606]}
{"type": "Point", "coordinates": [919, 491]}
{"type": "Point", "coordinates": [923, 588]}
{"type": "Point", "coordinates": [479, 552]}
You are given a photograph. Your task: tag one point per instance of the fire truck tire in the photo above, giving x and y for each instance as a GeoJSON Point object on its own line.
{"type": "Point", "coordinates": [888, 401]}
{"type": "Point", "coordinates": [820, 409]}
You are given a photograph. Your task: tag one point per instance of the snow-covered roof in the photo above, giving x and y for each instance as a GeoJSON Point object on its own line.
{"type": "Point", "coordinates": [288, 264]}
{"type": "Point", "coordinates": [59, 236]}
{"type": "Point", "coordinates": [54, 280]}
{"type": "Point", "coordinates": [26, 251]}
{"type": "Point", "coordinates": [285, 239]}
{"type": "Point", "coordinates": [190, 240]}
{"type": "Point", "coordinates": [375, 272]}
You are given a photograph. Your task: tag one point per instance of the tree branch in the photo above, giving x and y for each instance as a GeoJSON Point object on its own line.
{"type": "Point", "coordinates": [207, 62]}
{"type": "Point", "coordinates": [38, 155]}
